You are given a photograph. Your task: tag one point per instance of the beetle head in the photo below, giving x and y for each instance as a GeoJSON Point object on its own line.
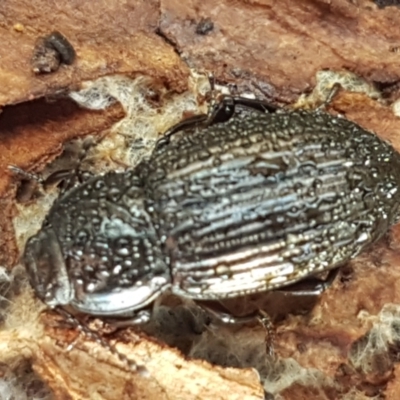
{"type": "Point", "coordinates": [46, 268]}
{"type": "Point", "coordinates": [99, 250]}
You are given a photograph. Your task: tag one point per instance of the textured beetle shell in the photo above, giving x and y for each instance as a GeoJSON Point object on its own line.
{"type": "Point", "coordinates": [108, 244]}
{"type": "Point", "coordinates": [265, 200]}
{"type": "Point", "coordinates": [249, 205]}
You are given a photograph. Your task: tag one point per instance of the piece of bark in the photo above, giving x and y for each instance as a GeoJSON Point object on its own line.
{"type": "Point", "coordinates": [274, 49]}
{"type": "Point", "coordinates": [88, 370]}
{"type": "Point", "coordinates": [167, 374]}
{"type": "Point", "coordinates": [108, 38]}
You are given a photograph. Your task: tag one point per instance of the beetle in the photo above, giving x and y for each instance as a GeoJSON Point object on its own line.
{"type": "Point", "coordinates": [247, 200]}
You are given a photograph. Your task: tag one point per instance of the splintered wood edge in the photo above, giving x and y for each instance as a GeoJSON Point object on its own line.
{"type": "Point", "coordinates": [166, 373]}
{"type": "Point", "coordinates": [76, 367]}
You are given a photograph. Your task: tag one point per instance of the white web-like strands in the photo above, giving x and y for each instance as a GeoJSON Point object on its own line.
{"type": "Point", "coordinates": [134, 136]}
{"type": "Point", "coordinates": [374, 347]}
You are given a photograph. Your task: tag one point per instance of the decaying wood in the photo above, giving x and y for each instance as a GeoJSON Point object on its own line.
{"type": "Point", "coordinates": [275, 50]}
{"type": "Point", "coordinates": [109, 38]}
{"type": "Point", "coordinates": [91, 371]}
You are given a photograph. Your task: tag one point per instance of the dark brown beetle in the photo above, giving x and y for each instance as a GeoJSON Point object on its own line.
{"type": "Point", "coordinates": [244, 201]}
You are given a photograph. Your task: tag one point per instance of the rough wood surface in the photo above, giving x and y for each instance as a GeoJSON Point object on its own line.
{"type": "Point", "coordinates": [109, 38]}
{"type": "Point", "coordinates": [90, 371]}
{"type": "Point", "coordinates": [275, 49]}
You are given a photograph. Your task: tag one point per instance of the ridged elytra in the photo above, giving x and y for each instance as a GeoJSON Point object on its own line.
{"type": "Point", "coordinates": [246, 200]}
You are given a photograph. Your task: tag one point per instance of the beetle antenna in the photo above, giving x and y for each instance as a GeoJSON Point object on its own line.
{"type": "Point", "coordinates": [266, 322]}
{"type": "Point", "coordinates": [333, 92]}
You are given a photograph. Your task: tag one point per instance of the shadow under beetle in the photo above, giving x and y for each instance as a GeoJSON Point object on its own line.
{"type": "Point", "coordinates": [246, 200]}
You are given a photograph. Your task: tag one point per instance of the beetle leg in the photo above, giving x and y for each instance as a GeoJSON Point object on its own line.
{"type": "Point", "coordinates": [67, 179]}
{"type": "Point", "coordinates": [333, 92]}
{"type": "Point", "coordinates": [227, 318]}
{"type": "Point", "coordinates": [261, 316]}
{"type": "Point", "coordinates": [253, 104]}
{"type": "Point", "coordinates": [181, 126]}
{"type": "Point", "coordinates": [266, 322]}
{"type": "Point", "coordinates": [311, 286]}
{"type": "Point", "coordinates": [74, 322]}
{"type": "Point", "coordinates": [75, 176]}
{"type": "Point", "coordinates": [53, 179]}
{"type": "Point", "coordinates": [30, 176]}
{"type": "Point", "coordinates": [31, 183]}
{"type": "Point", "coordinates": [64, 178]}
{"type": "Point", "coordinates": [220, 113]}
{"type": "Point", "coordinates": [139, 318]}
{"type": "Point", "coordinates": [224, 110]}
{"type": "Point", "coordinates": [28, 185]}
